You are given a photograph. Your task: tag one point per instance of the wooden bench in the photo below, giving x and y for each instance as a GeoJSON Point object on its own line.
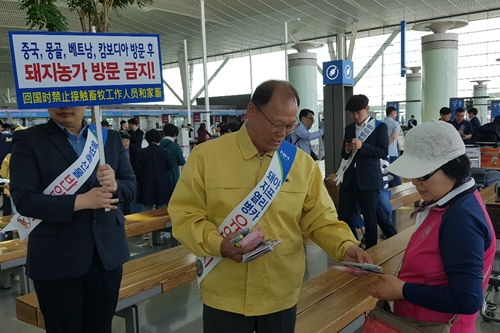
{"type": "Point", "coordinates": [13, 252]}
{"type": "Point", "coordinates": [142, 279]}
{"type": "Point", "coordinates": [492, 206]}
{"type": "Point", "coordinates": [334, 299]}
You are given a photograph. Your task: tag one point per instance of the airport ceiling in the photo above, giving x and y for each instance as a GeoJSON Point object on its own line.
{"type": "Point", "coordinates": [240, 25]}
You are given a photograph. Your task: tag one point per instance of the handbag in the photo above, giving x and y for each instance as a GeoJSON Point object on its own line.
{"type": "Point", "coordinates": [382, 320]}
{"type": "Point", "coordinates": [401, 141]}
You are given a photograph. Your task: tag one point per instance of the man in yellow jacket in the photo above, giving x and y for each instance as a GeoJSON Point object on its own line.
{"type": "Point", "coordinates": [260, 295]}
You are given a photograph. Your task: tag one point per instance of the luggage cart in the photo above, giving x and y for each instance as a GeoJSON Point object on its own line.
{"type": "Point", "coordinates": [490, 311]}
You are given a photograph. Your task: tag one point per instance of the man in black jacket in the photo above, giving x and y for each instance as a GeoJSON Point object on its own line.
{"type": "Point", "coordinates": [367, 139]}
{"type": "Point", "coordinates": [136, 134]}
{"type": "Point", "coordinates": [75, 254]}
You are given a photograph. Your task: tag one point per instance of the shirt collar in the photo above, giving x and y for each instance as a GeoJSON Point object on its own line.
{"type": "Point", "coordinates": [170, 138]}
{"type": "Point", "coordinates": [83, 131]}
{"type": "Point", "coordinates": [364, 123]}
{"type": "Point", "coordinates": [246, 145]}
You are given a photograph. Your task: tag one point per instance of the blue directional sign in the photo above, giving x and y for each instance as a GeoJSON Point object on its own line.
{"type": "Point", "coordinates": [338, 72]}
{"type": "Point", "coordinates": [495, 109]}
{"type": "Point", "coordinates": [456, 103]}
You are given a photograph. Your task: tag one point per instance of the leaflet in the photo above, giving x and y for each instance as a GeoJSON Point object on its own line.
{"type": "Point", "coordinates": [262, 249]}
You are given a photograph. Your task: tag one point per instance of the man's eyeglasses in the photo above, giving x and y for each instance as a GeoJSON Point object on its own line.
{"type": "Point", "coordinates": [427, 176]}
{"type": "Point", "coordinates": [277, 127]}
{"type": "Point", "coordinates": [311, 119]}
{"type": "Point", "coordinates": [355, 113]}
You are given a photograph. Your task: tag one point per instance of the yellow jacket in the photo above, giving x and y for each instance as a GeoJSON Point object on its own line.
{"type": "Point", "coordinates": [217, 176]}
{"type": "Point", "coordinates": [5, 172]}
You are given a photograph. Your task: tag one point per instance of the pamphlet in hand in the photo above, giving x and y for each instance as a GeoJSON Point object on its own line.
{"type": "Point", "coordinates": [262, 249]}
{"type": "Point", "coordinates": [353, 267]}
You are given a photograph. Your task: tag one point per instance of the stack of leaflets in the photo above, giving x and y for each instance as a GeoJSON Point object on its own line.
{"type": "Point", "coordinates": [263, 248]}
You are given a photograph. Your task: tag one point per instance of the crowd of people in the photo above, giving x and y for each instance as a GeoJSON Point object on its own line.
{"type": "Point", "coordinates": [267, 179]}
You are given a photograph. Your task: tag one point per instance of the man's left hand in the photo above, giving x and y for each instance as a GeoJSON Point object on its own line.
{"type": "Point", "coordinates": [106, 178]}
{"type": "Point", "coordinates": [356, 254]}
{"type": "Point", "coordinates": [355, 144]}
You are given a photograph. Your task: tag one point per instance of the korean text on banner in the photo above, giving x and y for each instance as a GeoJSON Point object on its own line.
{"type": "Point", "coordinates": [72, 69]}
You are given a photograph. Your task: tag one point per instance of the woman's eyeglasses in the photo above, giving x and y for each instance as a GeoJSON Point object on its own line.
{"type": "Point", "coordinates": [427, 176]}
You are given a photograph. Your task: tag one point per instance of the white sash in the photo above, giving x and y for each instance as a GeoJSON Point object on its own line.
{"type": "Point", "coordinates": [249, 211]}
{"type": "Point", "coordinates": [67, 182]}
{"type": "Point", "coordinates": [367, 130]}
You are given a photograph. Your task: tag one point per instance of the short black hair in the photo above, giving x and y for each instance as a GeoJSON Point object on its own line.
{"type": "Point", "coordinates": [153, 136]}
{"type": "Point", "coordinates": [170, 130]}
{"type": "Point", "coordinates": [125, 135]}
{"type": "Point", "coordinates": [445, 110]}
{"type": "Point", "coordinates": [189, 125]}
{"type": "Point", "coordinates": [357, 103]}
{"type": "Point", "coordinates": [6, 126]}
{"type": "Point", "coordinates": [132, 121]}
{"type": "Point", "coordinates": [304, 113]}
{"type": "Point", "coordinates": [224, 129]}
{"type": "Point", "coordinates": [412, 116]}
{"type": "Point", "coordinates": [459, 110]}
{"type": "Point", "coordinates": [458, 169]}
{"type": "Point", "coordinates": [234, 126]}
{"type": "Point", "coordinates": [389, 110]}
{"type": "Point", "coordinates": [123, 122]}
{"type": "Point", "coordinates": [473, 111]}
{"type": "Point", "coordinates": [264, 92]}
{"type": "Point", "coordinates": [104, 123]}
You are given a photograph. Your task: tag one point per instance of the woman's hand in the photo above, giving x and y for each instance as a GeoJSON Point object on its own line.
{"type": "Point", "coordinates": [391, 288]}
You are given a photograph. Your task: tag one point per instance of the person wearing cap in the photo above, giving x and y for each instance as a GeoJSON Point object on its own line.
{"type": "Point", "coordinates": [449, 258]}
{"type": "Point", "coordinates": [362, 178]}
{"type": "Point", "coordinates": [445, 114]}
{"type": "Point", "coordinates": [463, 126]}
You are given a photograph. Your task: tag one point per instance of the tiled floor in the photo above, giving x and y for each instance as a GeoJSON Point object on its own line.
{"type": "Point", "coordinates": [180, 310]}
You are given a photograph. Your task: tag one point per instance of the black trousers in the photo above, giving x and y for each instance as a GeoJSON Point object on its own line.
{"type": "Point", "coordinates": [368, 199]}
{"type": "Point", "coordinates": [81, 305]}
{"type": "Point", "coordinates": [219, 321]}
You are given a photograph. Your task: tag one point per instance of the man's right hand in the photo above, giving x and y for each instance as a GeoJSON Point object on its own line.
{"type": "Point", "coordinates": [96, 198]}
{"type": "Point", "coordinates": [229, 250]}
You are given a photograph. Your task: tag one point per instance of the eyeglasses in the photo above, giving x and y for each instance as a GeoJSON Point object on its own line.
{"type": "Point", "coordinates": [311, 119]}
{"type": "Point", "coordinates": [277, 127]}
{"type": "Point", "coordinates": [427, 176]}
{"type": "Point", "coordinates": [355, 113]}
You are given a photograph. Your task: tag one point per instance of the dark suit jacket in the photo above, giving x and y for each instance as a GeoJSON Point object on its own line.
{"type": "Point", "coordinates": [136, 138]}
{"type": "Point", "coordinates": [153, 176]}
{"type": "Point", "coordinates": [367, 159]}
{"type": "Point", "coordinates": [62, 245]}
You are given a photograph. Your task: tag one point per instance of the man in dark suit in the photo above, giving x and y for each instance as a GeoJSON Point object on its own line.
{"type": "Point", "coordinates": [154, 184]}
{"type": "Point", "coordinates": [412, 122]}
{"type": "Point", "coordinates": [136, 134]}
{"type": "Point", "coordinates": [363, 177]}
{"type": "Point", "coordinates": [75, 254]}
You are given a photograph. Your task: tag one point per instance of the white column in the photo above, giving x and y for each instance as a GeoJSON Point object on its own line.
{"type": "Point", "coordinates": [480, 103]}
{"type": "Point", "coordinates": [414, 93]}
{"type": "Point", "coordinates": [303, 73]}
{"type": "Point", "coordinates": [439, 65]}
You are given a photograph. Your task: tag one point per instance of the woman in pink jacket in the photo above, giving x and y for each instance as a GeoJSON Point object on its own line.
{"type": "Point", "coordinates": [449, 258]}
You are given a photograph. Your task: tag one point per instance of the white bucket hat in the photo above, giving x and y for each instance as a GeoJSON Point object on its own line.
{"type": "Point", "coordinates": [428, 147]}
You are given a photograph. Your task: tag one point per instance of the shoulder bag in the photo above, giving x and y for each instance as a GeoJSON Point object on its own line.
{"type": "Point", "coordinates": [401, 141]}
{"type": "Point", "coordinates": [383, 320]}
